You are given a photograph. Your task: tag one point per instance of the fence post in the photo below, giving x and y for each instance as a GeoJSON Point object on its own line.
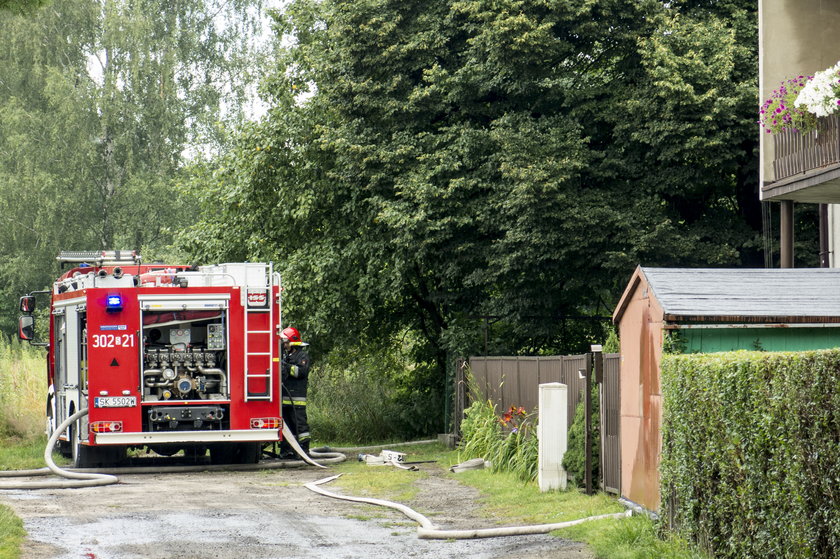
{"type": "Point", "coordinates": [552, 434]}
{"type": "Point", "coordinates": [461, 396]}
{"type": "Point", "coordinates": [587, 437]}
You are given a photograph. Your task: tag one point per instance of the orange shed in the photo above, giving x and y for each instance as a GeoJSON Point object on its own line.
{"type": "Point", "coordinates": [707, 310]}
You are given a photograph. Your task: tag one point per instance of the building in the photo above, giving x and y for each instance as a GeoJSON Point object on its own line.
{"type": "Point", "coordinates": [800, 37]}
{"type": "Point", "coordinates": [705, 311]}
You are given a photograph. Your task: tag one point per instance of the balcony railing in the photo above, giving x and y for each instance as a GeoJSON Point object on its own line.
{"type": "Point", "coordinates": [797, 153]}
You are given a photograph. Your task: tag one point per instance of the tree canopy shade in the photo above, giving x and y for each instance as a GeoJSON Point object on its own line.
{"type": "Point", "coordinates": [98, 102]}
{"type": "Point", "coordinates": [427, 164]}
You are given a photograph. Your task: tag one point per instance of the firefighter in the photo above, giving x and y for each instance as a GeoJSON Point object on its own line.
{"type": "Point", "coordinates": [295, 375]}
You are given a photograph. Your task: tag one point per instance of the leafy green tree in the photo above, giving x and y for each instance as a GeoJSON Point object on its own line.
{"type": "Point", "coordinates": [451, 166]}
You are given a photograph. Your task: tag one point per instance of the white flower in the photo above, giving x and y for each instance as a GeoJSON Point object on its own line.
{"type": "Point", "coordinates": [818, 96]}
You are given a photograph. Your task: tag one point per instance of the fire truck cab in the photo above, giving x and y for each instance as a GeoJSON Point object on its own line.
{"type": "Point", "coordinates": [165, 357]}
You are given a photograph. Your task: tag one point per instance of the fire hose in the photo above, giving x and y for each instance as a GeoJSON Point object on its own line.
{"type": "Point", "coordinates": [93, 478]}
{"type": "Point", "coordinates": [427, 530]}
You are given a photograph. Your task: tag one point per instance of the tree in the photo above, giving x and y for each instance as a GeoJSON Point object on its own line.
{"type": "Point", "coordinates": [99, 100]}
{"type": "Point", "coordinates": [21, 6]}
{"type": "Point", "coordinates": [427, 164]}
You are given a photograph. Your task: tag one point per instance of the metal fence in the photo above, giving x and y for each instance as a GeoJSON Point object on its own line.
{"type": "Point", "coordinates": [610, 423]}
{"type": "Point", "coordinates": [514, 381]}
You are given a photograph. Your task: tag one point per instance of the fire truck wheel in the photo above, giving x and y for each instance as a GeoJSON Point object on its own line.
{"type": "Point", "coordinates": [83, 456]}
{"type": "Point", "coordinates": [65, 448]}
{"type": "Point", "coordinates": [250, 453]}
{"type": "Point", "coordinates": [222, 454]}
{"type": "Point", "coordinates": [243, 453]}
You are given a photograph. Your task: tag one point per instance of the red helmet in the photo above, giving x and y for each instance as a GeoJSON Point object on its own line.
{"type": "Point", "coordinates": [291, 334]}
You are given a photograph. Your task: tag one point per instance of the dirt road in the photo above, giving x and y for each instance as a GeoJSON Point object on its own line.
{"type": "Point", "coordinates": [264, 514]}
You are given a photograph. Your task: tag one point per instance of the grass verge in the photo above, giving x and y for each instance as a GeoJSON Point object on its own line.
{"type": "Point", "coordinates": [629, 538]}
{"type": "Point", "coordinates": [11, 533]}
{"type": "Point", "coordinates": [26, 454]}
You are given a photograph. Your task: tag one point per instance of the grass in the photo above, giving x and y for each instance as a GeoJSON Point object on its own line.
{"type": "Point", "coordinates": [12, 533]}
{"type": "Point", "coordinates": [18, 454]}
{"type": "Point", "coordinates": [377, 481]}
{"type": "Point", "coordinates": [516, 502]}
{"type": "Point", "coordinates": [630, 538]}
{"type": "Point", "coordinates": [22, 390]}
{"type": "Point", "coordinates": [22, 417]}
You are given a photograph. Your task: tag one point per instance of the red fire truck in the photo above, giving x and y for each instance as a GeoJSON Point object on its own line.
{"type": "Point", "coordinates": [164, 357]}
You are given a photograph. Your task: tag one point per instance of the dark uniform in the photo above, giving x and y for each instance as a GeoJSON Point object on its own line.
{"type": "Point", "coordinates": [295, 380]}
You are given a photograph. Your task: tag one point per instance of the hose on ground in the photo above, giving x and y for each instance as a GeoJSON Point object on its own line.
{"type": "Point", "coordinates": [86, 477]}
{"type": "Point", "coordinates": [74, 478]}
{"type": "Point", "coordinates": [427, 530]}
{"type": "Point", "coordinates": [290, 438]}
{"type": "Point", "coordinates": [355, 449]}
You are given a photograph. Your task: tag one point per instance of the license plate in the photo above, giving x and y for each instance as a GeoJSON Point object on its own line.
{"type": "Point", "coordinates": [115, 402]}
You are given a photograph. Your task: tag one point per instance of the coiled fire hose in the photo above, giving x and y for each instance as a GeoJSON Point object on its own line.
{"type": "Point", "coordinates": [105, 476]}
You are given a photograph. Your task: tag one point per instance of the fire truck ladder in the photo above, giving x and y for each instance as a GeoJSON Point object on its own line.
{"type": "Point", "coordinates": [259, 379]}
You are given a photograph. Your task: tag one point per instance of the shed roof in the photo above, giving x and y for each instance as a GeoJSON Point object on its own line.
{"type": "Point", "coordinates": [741, 294]}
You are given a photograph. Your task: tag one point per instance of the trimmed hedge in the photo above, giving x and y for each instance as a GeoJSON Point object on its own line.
{"type": "Point", "coordinates": [751, 452]}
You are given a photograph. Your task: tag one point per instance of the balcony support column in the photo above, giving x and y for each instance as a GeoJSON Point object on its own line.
{"type": "Point", "coordinates": [786, 234]}
{"type": "Point", "coordinates": [825, 260]}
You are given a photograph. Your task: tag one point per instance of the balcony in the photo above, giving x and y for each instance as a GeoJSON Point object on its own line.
{"type": "Point", "coordinates": [807, 166]}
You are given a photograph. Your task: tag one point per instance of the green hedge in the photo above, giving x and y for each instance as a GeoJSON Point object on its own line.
{"type": "Point", "coordinates": [751, 452]}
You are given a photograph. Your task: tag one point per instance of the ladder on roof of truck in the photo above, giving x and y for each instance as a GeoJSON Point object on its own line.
{"type": "Point", "coordinates": [259, 349]}
{"type": "Point", "coordinates": [98, 257]}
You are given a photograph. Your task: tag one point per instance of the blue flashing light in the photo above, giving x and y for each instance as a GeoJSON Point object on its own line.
{"type": "Point", "coordinates": [114, 303]}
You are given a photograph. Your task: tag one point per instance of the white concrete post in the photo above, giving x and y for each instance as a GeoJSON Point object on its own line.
{"type": "Point", "coordinates": [552, 432]}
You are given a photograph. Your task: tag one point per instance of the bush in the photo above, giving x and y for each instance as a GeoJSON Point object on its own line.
{"type": "Point", "coordinates": [362, 397]}
{"type": "Point", "coordinates": [751, 452]}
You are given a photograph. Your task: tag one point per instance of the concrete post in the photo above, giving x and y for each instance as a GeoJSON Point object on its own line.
{"type": "Point", "coordinates": [786, 234]}
{"type": "Point", "coordinates": [552, 431]}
